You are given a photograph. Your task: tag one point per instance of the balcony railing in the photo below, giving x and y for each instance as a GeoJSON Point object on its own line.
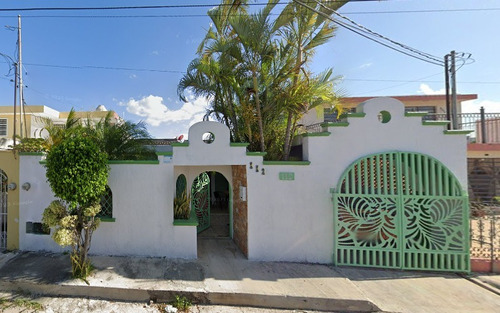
{"type": "Point", "coordinates": [485, 127]}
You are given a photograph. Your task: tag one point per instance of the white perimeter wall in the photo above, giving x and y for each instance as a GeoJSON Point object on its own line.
{"type": "Point", "coordinates": [142, 208]}
{"type": "Point", "coordinates": [293, 220]}
{"type": "Point", "coordinates": [288, 220]}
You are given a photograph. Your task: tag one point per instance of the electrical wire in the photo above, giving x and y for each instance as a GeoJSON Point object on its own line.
{"type": "Point", "coordinates": [376, 37]}
{"type": "Point", "coordinates": [105, 68]}
{"type": "Point", "coordinates": [172, 6]}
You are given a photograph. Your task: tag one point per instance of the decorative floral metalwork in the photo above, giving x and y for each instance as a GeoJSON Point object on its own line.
{"type": "Point", "coordinates": [201, 200]}
{"type": "Point", "coordinates": [401, 210]}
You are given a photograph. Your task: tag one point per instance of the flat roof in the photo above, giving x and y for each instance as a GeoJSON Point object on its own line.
{"type": "Point", "coordinates": [461, 97]}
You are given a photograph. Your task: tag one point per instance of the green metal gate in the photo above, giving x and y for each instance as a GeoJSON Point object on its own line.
{"type": "Point", "coordinates": [401, 210]}
{"type": "Point", "coordinates": [200, 195]}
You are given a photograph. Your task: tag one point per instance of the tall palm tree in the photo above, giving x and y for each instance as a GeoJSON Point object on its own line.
{"type": "Point", "coordinates": [303, 30]}
{"type": "Point", "coordinates": [255, 49]}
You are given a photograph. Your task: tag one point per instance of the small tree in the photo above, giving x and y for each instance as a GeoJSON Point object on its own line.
{"type": "Point", "coordinates": [77, 172]}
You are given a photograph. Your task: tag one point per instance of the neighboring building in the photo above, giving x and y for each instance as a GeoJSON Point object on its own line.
{"type": "Point", "coordinates": [33, 123]}
{"type": "Point", "coordinates": [433, 104]}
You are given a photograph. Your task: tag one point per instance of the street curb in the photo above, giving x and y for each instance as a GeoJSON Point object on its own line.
{"type": "Point", "coordinates": [197, 297]}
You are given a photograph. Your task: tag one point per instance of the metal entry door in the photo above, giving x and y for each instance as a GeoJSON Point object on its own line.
{"type": "Point", "coordinates": [3, 210]}
{"type": "Point", "coordinates": [200, 195]}
{"type": "Point", "coordinates": [401, 210]}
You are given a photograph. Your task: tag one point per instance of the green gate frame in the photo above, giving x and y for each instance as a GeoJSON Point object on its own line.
{"type": "Point", "coordinates": [200, 200]}
{"type": "Point", "coordinates": [401, 210]}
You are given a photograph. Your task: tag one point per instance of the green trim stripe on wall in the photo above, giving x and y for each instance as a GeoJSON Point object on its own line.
{"type": "Point", "coordinates": [286, 162]}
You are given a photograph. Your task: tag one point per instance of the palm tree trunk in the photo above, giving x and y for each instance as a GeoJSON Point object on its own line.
{"type": "Point", "coordinates": [288, 139]}
{"type": "Point", "coordinates": [259, 115]}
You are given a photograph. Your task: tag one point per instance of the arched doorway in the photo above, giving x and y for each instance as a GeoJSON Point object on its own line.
{"type": "Point", "coordinates": [3, 210]}
{"type": "Point", "coordinates": [401, 210]}
{"type": "Point", "coordinates": [211, 202]}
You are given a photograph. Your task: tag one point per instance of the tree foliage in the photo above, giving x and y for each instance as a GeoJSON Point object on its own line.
{"type": "Point", "coordinates": [77, 172]}
{"type": "Point", "coordinates": [121, 140]}
{"type": "Point", "coordinates": [254, 71]}
{"type": "Point", "coordinates": [77, 169]}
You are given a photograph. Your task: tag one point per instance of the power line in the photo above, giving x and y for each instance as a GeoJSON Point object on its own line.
{"type": "Point", "coordinates": [172, 6]}
{"type": "Point", "coordinates": [373, 36]}
{"type": "Point", "coordinates": [417, 81]}
{"type": "Point", "coordinates": [106, 68]}
{"type": "Point", "coordinates": [274, 14]}
{"type": "Point", "coordinates": [87, 67]}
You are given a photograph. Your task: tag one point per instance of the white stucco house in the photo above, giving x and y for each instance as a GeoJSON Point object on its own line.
{"type": "Point", "coordinates": [381, 188]}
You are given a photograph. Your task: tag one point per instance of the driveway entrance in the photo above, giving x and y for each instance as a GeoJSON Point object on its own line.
{"type": "Point", "coordinates": [401, 210]}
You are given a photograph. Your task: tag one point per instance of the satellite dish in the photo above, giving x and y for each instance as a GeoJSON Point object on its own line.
{"type": "Point", "coordinates": [180, 138]}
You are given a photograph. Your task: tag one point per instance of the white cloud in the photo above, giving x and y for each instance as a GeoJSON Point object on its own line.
{"type": "Point", "coordinates": [132, 76]}
{"type": "Point", "coordinates": [427, 90]}
{"type": "Point", "coordinates": [155, 52]}
{"type": "Point", "coordinates": [366, 65]}
{"type": "Point", "coordinates": [156, 113]}
{"type": "Point", "coordinates": [474, 106]}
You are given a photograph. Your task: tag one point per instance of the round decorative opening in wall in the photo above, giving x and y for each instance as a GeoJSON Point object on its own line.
{"type": "Point", "coordinates": [384, 117]}
{"type": "Point", "coordinates": [208, 137]}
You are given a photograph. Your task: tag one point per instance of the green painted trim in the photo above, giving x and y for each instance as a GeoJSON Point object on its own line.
{"type": "Point", "coordinates": [286, 162]}
{"type": "Point", "coordinates": [338, 124]}
{"type": "Point", "coordinates": [356, 114]}
{"type": "Point", "coordinates": [180, 144]}
{"type": "Point", "coordinates": [122, 162]}
{"type": "Point", "coordinates": [133, 162]}
{"type": "Point", "coordinates": [30, 153]}
{"type": "Point", "coordinates": [256, 153]}
{"type": "Point", "coordinates": [286, 176]}
{"type": "Point", "coordinates": [190, 222]}
{"type": "Point", "coordinates": [435, 123]}
{"type": "Point", "coordinates": [458, 132]}
{"type": "Point", "coordinates": [166, 153]}
{"type": "Point", "coordinates": [107, 219]}
{"type": "Point", "coordinates": [239, 144]}
{"type": "Point", "coordinates": [415, 114]}
{"type": "Point", "coordinates": [321, 134]}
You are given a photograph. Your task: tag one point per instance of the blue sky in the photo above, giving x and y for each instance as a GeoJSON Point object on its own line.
{"type": "Point", "coordinates": [80, 39]}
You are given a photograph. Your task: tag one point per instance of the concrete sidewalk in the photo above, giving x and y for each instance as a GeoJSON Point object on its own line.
{"type": "Point", "coordinates": [223, 276]}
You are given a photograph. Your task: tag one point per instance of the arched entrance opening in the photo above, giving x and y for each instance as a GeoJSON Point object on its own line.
{"type": "Point", "coordinates": [211, 201]}
{"type": "Point", "coordinates": [3, 210]}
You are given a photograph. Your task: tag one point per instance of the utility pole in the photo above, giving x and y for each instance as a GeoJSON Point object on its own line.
{"type": "Point", "coordinates": [15, 102]}
{"type": "Point", "coordinates": [450, 74]}
{"type": "Point", "coordinates": [20, 71]}
{"type": "Point", "coordinates": [447, 87]}
{"type": "Point", "coordinates": [453, 91]}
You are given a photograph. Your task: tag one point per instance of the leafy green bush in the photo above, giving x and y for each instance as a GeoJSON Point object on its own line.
{"type": "Point", "coordinates": [32, 145]}
{"type": "Point", "coordinates": [77, 172]}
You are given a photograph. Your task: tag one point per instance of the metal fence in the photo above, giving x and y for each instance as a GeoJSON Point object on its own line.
{"type": "Point", "coordinates": [485, 231]}
{"type": "Point", "coordinates": [484, 195]}
{"type": "Point", "coordinates": [485, 126]}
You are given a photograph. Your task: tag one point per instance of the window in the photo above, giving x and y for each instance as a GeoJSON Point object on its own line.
{"type": "Point", "coordinates": [37, 228]}
{"type": "Point", "coordinates": [431, 111]}
{"type": "Point", "coordinates": [106, 204]}
{"type": "Point", "coordinates": [331, 116]}
{"type": "Point", "coordinates": [3, 127]}
{"type": "Point", "coordinates": [428, 109]}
